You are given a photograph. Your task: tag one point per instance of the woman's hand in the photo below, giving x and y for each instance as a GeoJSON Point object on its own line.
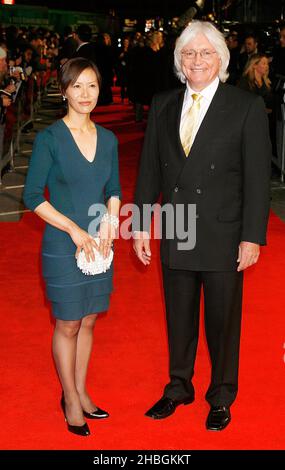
{"type": "Point", "coordinates": [107, 234]}
{"type": "Point", "coordinates": [83, 241]}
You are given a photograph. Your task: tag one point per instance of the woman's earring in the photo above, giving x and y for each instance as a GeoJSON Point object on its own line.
{"type": "Point", "coordinates": [64, 98]}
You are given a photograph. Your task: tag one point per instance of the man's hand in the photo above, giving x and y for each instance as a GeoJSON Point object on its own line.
{"type": "Point", "coordinates": [248, 255]}
{"type": "Point", "coordinates": [142, 247]}
{"type": "Point", "coordinates": [10, 88]}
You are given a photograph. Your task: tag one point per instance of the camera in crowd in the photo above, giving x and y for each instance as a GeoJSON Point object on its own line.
{"type": "Point", "coordinates": [14, 70]}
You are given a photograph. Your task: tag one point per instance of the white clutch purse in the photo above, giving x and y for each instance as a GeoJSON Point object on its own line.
{"type": "Point", "coordinates": [99, 265]}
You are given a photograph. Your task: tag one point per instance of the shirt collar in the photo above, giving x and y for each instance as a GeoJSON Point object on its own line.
{"type": "Point", "coordinates": [207, 92]}
{"type": "Point", "coordinates": [82, 44]}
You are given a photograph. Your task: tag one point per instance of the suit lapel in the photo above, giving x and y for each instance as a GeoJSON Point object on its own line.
{"type": "Point", "coordinates": [174, 110]}
{"type": "Point", "coordinates": [210, 124]}
{"type": "Point", "coordinates": [209, 128]}
{"type": "Point", "coordinates": [212, 121]}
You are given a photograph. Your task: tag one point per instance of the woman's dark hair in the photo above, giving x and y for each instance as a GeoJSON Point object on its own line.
{"type": "Point", "coordinates": [70, 71]}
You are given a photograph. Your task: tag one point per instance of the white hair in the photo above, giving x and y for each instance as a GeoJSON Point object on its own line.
{"type": "Point", "coordinates": [214, 36]}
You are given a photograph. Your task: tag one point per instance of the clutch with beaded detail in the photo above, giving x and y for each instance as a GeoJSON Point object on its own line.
{"type": "Point", "coordinates": [98, 266]}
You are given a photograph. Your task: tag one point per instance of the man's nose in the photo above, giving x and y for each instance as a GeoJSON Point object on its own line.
{"type": "Point", "coordinates": [198, 59]}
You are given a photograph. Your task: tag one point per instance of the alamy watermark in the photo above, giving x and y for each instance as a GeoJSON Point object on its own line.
{"type": "Point", "coordinates": [173, 222]}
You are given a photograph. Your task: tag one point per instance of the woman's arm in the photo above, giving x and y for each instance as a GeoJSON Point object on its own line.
{"type": "Point", "coordinates": [80, 237]}
{"type": "Point", "coordinates": [36, 181]}
{"type": "Point", "coordinates": [113, 206]}
{"type": "Point", "coordinates": [39, 168]}
{"type": "Point", "coordinates": [108, 230]}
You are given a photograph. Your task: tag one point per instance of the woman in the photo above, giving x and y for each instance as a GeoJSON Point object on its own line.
{"type": "Point", "coordinates": [77, 161]}
{"type": "Point", "coordinates": [255, 79]}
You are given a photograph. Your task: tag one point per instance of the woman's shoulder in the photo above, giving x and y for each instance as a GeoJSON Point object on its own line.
{"type": "Point", "coordinates": [51, 130]}
{"type": "Point", "coordinates": [49, 136]}
{"type": "Point", "coordinates": [106, 133]}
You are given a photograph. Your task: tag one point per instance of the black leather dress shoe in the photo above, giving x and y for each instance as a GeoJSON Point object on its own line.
{"type": "Point", "coordinates": [166, 407]}
{"type": "Point", "coordinates": [98, 414]}
{"type": "Point", "coordinates": [218, 418]}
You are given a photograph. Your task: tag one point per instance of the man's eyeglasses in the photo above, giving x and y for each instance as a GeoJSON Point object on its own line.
{"type": "Point", "coordinates": [191, 54]}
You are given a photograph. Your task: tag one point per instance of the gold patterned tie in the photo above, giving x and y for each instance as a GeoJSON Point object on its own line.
{"type": "Point", "coordinates": [190, 123]}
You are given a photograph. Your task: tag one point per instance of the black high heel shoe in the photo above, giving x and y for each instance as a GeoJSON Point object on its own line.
{"type": "Point", "coordinates": [97, 414]}
{"type": "Point", "coordinates": [79, 430]}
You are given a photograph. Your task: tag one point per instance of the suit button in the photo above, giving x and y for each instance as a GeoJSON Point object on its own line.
{"type": "Point", "coordinates": [212, 166]}
{"type": "Point", "coordinates": [165, 164]}
{"type": "Point", "coordinates": [197, 216]}
{"type": "Point", "coordinates": [198, 191]}
{"type": "Point", "coordinates": [176, 189]}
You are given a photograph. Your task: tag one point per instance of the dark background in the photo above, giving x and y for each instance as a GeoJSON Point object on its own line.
{"type": "Point", "coordinates": [120, 7]}
{"type": "Point", "coordinates": [241, 10]}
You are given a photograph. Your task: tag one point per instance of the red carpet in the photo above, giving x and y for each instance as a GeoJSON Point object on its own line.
{"type": "Point", "coordinates": [129, 363]}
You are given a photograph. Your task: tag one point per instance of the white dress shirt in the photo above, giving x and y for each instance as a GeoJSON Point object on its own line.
{"type": "Point", "coordinates": [207, 96]}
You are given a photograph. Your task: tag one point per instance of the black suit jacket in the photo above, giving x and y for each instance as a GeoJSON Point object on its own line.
{"type": "Point", "coordinates": [226, 175]}
{"type": "Point", "coordinates": [88, 51]}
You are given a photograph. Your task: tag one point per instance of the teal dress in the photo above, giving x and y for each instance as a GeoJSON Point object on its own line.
{"type": "Point", "coordinates": [75, 186]}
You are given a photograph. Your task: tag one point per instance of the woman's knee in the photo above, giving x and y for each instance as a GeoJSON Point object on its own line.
{"type": "Point", "coordinates": [68, 328]}
{"type": "Point", "coordinates": [89, 321]}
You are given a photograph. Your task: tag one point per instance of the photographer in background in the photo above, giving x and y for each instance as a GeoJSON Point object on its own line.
{"type": "Point", "coordinates": [20, 70]}
{"type": "Point", "coordinates": [5, 99]}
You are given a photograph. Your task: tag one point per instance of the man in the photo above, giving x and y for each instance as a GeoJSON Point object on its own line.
{"type": "Point", "coordinates": [250, 48]}
{"type": "Point", "coordinates": [83, 37]}
{"type": "Point", "coordinates": [233, 68]}
{"type": "Point", "coordinates": [69, 45]}
{"type": "Point", "coordinates": [278, 62]}
{"type": "Point", "coordinates": [101, 53]}
{"type": "Point", "coordinates": [222, 166]}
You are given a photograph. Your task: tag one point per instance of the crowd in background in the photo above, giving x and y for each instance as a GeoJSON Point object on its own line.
{"type": "Point", "coordinates": [141, 66]}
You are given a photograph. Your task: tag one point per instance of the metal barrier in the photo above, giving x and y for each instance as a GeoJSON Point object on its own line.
{"type": "Point", "coordinates": [6, 159]}
{"type": "Point", "coordinates": [34, 92]}
{"type": "Point", "coordinates": [22, 119]}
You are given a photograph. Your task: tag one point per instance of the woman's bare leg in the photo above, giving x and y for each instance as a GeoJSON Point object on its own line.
{"type": "Point", "coordinates": [64, 347]}
{"type": "Point", "coordinates": [83, 353]}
